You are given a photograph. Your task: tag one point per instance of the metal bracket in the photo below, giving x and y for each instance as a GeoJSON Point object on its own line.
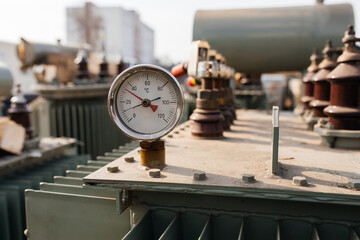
{"type": "Point", "coordinates": [123, 201]}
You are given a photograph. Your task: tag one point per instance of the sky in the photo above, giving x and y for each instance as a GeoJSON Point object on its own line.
{"type": "Point", "coordinates": [172, 21]}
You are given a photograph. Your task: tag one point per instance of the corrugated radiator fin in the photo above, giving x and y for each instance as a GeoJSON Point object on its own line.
{"type": "Point", "coordinates": [87, 121]}
{"type": "Point", "coordinates": [12, 201]}
{"type": "Point", "coordinates": [64, 202]}
{"type": "Point", "coordinates": [188, 225]}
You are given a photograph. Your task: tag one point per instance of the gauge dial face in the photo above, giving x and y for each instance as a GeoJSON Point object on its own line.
{"type": "Point", "coordinates": [146, 101]}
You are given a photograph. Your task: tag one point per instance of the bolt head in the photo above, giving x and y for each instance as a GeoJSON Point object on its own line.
{"type": "Point", "coordinates": [155, 173]}
{"type": "Point", "coordinates": [250, 178]}
{"type": "Point", "coordinates": [299, 181]}
{"type": "Point", "coordinates": [354, 183]}
{"type": "Point", "coordinates": [199, 176]}
{"type": "Point", "coordinates": [113, 169]}
{"type": "Point", "coordinates": [129, 159]}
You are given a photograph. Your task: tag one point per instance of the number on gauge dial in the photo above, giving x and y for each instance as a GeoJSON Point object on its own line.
{"type": "Point", "coordinates": [147, 102]}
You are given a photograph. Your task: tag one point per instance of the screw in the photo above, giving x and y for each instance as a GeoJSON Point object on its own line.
{"type": "Point", "coordinates": [176, 132]}
{"type": "Point", "coordinates": [155, 173]}
{"type": "Point", "coordinates": [129, 159]}
{"type": "Point", "coordinates": [199, 176]}
{"type": "Point", "coordinates": [113, 169]}
{"type": "Point", "coordinates": [250, 178]}
{"type": "Point", "coordinates": [354, 183]}
{"type": "Point", "coordinates": [300, 181]}
{"type": "Point", "coordinates": [170, 135]}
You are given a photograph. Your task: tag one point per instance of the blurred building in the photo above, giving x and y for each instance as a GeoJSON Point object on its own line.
{"type": "Point", "coordinates": [119, 32]}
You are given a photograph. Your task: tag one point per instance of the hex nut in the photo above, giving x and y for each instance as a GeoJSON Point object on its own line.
{"type": "Point", "coordinates": [199, 176]}
{"type": "Point", "coordinates": [299, 181]}
{"type": "Point", "coordinates": [113, 169]}
{"type": "Point", "coordinates": [129, 159]}
{"type": "Point", "coordinates": [155, 173]}
{"type": "Point", "coordinates": [250, 178]}
{"type": "Point", "coordinates": [354, 183]}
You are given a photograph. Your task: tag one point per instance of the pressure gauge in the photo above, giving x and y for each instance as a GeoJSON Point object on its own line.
{"type": "Point", "coordinates": [146, 102]}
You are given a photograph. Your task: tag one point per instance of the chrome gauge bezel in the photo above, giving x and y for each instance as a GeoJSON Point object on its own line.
{"type": "Point", "coordinates": [113, 109]}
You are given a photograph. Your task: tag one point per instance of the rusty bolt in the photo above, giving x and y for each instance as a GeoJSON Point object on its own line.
{"type": "Point", "coordinates": [208, 65]}
{"type": "Point", "coordinates": [113, 169]}
{"type": "Point", "coordinates": [250, 178]}
{"type": "Point", "coordinates": [129, 159]}
{"type": "Point", "coordinates": [199, 176]}
{"type": "Point", "coordinates": [155, 173]}
{"type": "Point", "coordinates": [299, 180]}
{"type": "Point", "coordinates": [354, 183]}
{"type": "Point", "coordinates": [208, 74]}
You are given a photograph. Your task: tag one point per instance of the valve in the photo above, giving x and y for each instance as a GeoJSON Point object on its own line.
{"type": "Point", "coordinates": [179, 70]}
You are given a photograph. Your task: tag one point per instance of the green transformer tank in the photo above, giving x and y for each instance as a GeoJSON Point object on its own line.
{"type": "Point", "coordinates": [248, 38]}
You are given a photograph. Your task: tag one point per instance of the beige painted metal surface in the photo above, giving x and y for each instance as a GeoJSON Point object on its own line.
{"type": "Point", "coordinates": [246, 149]}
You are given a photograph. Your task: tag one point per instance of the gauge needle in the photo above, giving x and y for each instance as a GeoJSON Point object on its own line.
{"type": "Point", "coordinates": [153, 107]}
{"type": "Point", "coordinates": [141, 104]}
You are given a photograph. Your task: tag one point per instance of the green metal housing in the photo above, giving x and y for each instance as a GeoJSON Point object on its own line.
{"type": "Point", "coordinates": [272, 39]}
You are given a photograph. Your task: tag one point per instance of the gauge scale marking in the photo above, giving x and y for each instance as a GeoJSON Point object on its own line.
{"type": "Point", "coordinates": [147, 102]}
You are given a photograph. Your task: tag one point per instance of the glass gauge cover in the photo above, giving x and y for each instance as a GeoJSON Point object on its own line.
{"type": "Point", "coordinates": [146, 102]}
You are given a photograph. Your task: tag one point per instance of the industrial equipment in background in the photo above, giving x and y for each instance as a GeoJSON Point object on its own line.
{"type": "Point", "coordinates": [72, 102]}
{"type": "Point", "coordinates": [248, 38]}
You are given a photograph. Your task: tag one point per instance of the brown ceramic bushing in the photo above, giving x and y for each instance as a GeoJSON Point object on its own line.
{"type": "Point", "coordinates": [152, 154]}
{"type": "Point", "coordinates": [229, 98]}
{"type": "Point", "coordinates": [207, 123]}
{"type": "Point", "coordinates": [321, 86]}
{"type": "Point", "coordinates": [308, 84]}
{"type": "Point", "coordinates": [121, 66]}
{"type": "Point", "coordinates": [82, 63]}
{"type": "Point", "coordinates": [224, 111]}
{"type": "Point", "coordinates": [20, 113]}
{"type": "Point", "coordinates": [104, 72]}
{"type": "Point", "coordinates": [344, 108]}
{"type": "Point", "coordinates": [207, 118]}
